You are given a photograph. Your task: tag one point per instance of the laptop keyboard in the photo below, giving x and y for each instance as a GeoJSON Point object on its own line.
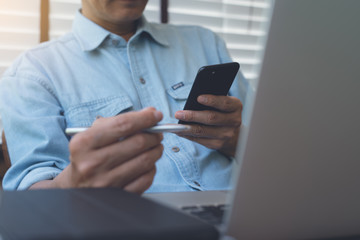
{"type": "Point", "coordinates": [212, 214]}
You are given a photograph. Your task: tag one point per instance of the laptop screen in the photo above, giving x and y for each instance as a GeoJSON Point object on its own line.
{"type": "Point", "coordinates": [299, 150]}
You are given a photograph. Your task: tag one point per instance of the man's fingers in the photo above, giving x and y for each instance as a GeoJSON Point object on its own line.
{"type": "Point", "coordinates": [122, 151]}
{"type": "Point", "coordinates": [208, 142]}
{"type": "Point", "coordinates": [210, 117]}
{"type": "Point", "coordinates": [129, 171]}
{"type": "Point", "coordinates": [109, 130]}
{"type": "Point", "coordinates": [222, 103]}
{"type": "Point", "coordinates": [202, 131]}
{"type": "Point", "coordinates": [142, 183]}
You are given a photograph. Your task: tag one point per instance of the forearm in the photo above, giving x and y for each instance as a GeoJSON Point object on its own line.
{"type": "Point", "coordinates": [43, 184]}
{"type": "Point", "coordinates": [60, 181]}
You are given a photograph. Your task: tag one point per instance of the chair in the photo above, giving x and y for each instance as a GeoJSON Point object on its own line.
{"type": "Point", "coordinates": [7, 162]}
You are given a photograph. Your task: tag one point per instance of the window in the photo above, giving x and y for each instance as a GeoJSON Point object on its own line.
{"type": "Point", "coordinates": [240, 23]}
{"type": "Point", "coordinates": [19, 28]}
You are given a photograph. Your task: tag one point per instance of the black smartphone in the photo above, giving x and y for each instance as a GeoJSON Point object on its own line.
{"type": "Point", "coordinates": [212, 79]}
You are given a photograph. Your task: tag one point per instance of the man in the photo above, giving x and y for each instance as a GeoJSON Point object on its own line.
{"type": "Point", "coordinates": [110, 73]}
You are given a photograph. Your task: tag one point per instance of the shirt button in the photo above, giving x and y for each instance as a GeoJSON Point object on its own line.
{"type": "Point", "coordinates": [142, 80]}
{"type": "Point", "coordinates": [197, 184]}
{"type": "Point", "coordinates": [115, 42]}
{"type": "Point", "coordinates": [175, 149]}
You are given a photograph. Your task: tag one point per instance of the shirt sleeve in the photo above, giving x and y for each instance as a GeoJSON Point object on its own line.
{"type": "Point", "coordinates": [34, 127]}
{"type": "Point", "coordinates": [37, 175]}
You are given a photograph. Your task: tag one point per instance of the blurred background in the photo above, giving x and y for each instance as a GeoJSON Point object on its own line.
{"type": "Point", "coordinates": [241, 23]}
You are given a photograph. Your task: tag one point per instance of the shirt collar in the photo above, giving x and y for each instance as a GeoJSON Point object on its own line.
{"type": "Point", "coordinates": [153, 30]}
{"type": "Point", "coordinates": [90, 35]}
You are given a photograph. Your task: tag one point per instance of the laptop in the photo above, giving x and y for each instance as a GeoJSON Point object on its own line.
{"type": "Point", "coordinates": [298, 158]}
{"type": "Point", "coordinates": [93, 214]}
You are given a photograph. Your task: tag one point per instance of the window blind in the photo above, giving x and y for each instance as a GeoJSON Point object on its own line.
{"type": "Point", "coordinates": [241, 23]}
{"type": "Point", "coordinates": [19, 29]}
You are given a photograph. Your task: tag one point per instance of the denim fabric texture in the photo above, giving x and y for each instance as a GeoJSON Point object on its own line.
{"type": "Point", "coordinates": [88, 72]}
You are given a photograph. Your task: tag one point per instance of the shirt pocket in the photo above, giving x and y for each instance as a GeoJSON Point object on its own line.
{"type": "Point", "coordinates": [84, 114]}
{"type": "Point", "coordinates": [177, 97]}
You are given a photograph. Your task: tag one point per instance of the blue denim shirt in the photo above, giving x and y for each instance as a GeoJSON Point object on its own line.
{"type": "Point", "coordinates": [89, 72]}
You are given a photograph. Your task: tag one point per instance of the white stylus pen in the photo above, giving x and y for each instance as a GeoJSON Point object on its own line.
{"type": "Point", "coordinates": [156, 129]}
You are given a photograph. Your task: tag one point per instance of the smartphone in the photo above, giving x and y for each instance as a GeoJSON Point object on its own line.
{"type": "Point", "coordinates": [212, 79]}
{"type": "Point", "coordinates": [156, 129]}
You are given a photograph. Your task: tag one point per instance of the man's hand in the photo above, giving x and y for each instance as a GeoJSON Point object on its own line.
{"type": "Point", "coordinates": [114, 152]}
{"type": "Point", "coordinates": [216, 129]}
